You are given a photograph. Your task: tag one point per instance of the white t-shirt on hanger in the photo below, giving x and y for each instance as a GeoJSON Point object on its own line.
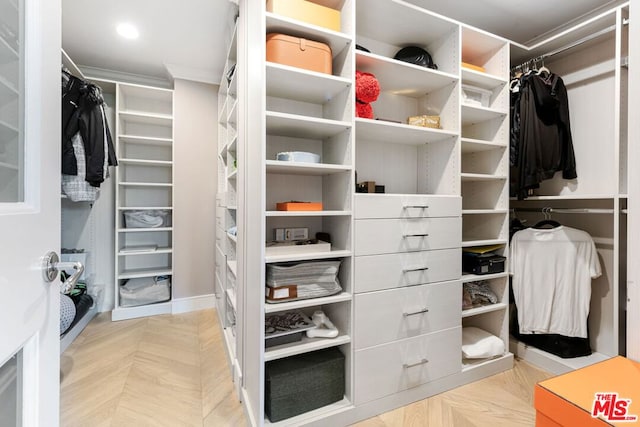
{"type": "Point", "coordinates": [552, 271]}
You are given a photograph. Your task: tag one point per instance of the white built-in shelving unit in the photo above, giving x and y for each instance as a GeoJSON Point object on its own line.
{"type": "Point", "coordinates": [445, 189]}
{"type": "Point", "coordinates": [144, 181]}
{"type": "Point", "coordinates": [228, 296]}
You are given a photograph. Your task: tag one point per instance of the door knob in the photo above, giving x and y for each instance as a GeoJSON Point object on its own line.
{"type": "Point", "coordinates": [51, 265]}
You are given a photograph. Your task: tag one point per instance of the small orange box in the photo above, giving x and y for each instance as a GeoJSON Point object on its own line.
{"type": "Point", "coordinates": [473, 67]}
{"type": "Point", "coordinates": [568, 400]}
{"type": "Point", "coordinates": [299, 52]}
{"type": "Point", "coordinates": [299, 206]}
{"type": "Point", "coordinates": [306, 11]}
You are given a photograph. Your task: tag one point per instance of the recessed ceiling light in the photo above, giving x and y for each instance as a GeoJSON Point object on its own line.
{"type": "Point", "coordinates": [127, 30]}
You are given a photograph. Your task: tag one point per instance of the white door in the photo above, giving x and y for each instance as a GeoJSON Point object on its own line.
{"type": "Point", "coordinates": [29, 211]}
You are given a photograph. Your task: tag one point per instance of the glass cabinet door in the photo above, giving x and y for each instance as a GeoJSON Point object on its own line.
{"type": "Point", "coordinates": [11, 101]}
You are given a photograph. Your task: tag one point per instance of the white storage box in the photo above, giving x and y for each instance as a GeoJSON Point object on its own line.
{"type": "Point", "coordinates": [145, 290]}
{"type": "Point", "coordinates": [298, 156]}
{"type": "Point", "coordinates": [472, 95]}
{"type": "Point", "coordinates": [147, 218]}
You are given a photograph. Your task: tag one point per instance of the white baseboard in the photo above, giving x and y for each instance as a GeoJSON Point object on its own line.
{"type": "Point", "coordinates": [185, 305]}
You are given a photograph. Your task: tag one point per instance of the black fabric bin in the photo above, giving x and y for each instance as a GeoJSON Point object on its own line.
{"type": "Point", "coordinates": [301, 383]}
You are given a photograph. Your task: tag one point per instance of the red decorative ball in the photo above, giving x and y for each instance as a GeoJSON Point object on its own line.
{"type": "Point", "coordinates": [364, 110]}
{"type": "Point", "coordinates": [367, 87]}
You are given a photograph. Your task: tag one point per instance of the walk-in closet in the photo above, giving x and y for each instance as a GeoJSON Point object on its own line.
{"type": "Point", "coordinates": [313, 212]}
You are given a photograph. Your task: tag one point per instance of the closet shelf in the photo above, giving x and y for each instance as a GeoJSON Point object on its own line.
{"type": "Point", "coordinates": [482, 177]}
{"type": "Point", "coordinates": [233, 110]}
{"type": "Point", "coordinates": [305, 346]}
{"type": "Point", "coordinates": [282, 24]}
{"type": "Point", "coordinates": [144, 230]}
{"type": "Point", "coordinates": [301, 85]}
{"type": "Point", "coordinates": [144, 208]}
{"type": "Point", "coordinates": [8, 166]}
{"type": "Point", "coordinates": [146, 118]}
{"type": "Point", "coordinates": [145, 140]}
{"type": "Point", "coordinates": [485, 309]}
{"type": "Point", "coordinates": [145, 184]}
{"type": "Point", "coordinates": [7, 53]}
{"type": "Point", "coordinates": [233, 174]}
{"type": "Point", "coordinates": [403, 78]}
{"type": "Point", "coordinates": [293, 125]}
{"type": "Point", "coordinates": [482, 80]}
{"type": "Point", "coordinates": [141, 162]}
{"type": "Point", "coordinates": [479, 364]}
{"type": "Point", "coordinates": [233, 267]}
{"type": "Point", "coordinates": [400, 133]}
{"type": "Point", "coordinates": [308, 256]}
{"type": "Point", "coordinates": [568, 197]}
{"type": "Point", "coordinates": [486, 242]}
{"type": "Point", "coordinates": [8, 91]}
{"type": "Point", "coordinates": [307, 213]}
{"type": "Point", "coordinates": [231, 296]}
{"type": "Point", "coordinates": [477, 145]}
{"type": "Point", "coordinates": [7, 131]}
{"type": "Point", "coordinates": [145, 272]}
{"type": "Point", "coordinates": [466, 278]}
{"type": "Point", "coordinates": [313, 302]}
{"type": "Point", "coordinates": [473, 115]}
{"type": "Point", "coordinates": [295, 168]}
{"type": "Point", "coordinates": [484, 211]}
{"type": "Point", "coordinates": [124, 252]}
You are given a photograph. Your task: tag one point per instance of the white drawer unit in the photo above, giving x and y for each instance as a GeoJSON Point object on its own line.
{"type": "Point", "coordinates": [395, 314]}
{"type": "Point", "coordinates": [370, 206]}
{"type": "Point", "coordinates": [390, 368]}
{"type": "Point", "coordinates": [384, 236]}
{"type": "Point", "coordinates": [378, 272]}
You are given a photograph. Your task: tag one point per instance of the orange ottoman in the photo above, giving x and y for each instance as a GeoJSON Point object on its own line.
{"type": "Point", "coordinates": [603, 394]}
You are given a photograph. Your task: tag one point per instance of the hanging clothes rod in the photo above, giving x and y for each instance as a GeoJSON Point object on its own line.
{"type": "Point", "coordinates": [565, 210]}
{"type": "Point", "coordinates": [568, 46]}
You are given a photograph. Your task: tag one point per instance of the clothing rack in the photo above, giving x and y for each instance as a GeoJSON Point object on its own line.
{"type": "Point", "coordinates": [549, 210]}
{"type": "Point", "coordinates": [578, 42]}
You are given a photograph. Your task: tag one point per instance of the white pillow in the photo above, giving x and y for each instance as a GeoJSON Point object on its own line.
{"type": "Point", "coordinates": [480, 344]}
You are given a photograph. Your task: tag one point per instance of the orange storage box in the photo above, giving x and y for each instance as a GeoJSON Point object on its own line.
{"type": "Point", "coordinates": [603, 394]}
{"type": "Point", "coordinates": [299, 206]}
{"type": "Point", "coordinates": [299, 52]}
{"type": "Point", "coordinates": [306, 11]}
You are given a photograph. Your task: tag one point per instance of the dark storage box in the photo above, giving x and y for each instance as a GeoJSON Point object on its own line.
{"type": "Point", "coordinates": [487, 263]}
{"type": "Point", "coordinates": [301, 383]}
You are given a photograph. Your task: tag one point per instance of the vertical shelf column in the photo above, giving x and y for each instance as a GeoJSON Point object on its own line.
{"type": "Point", "coordinates": [144, 201]}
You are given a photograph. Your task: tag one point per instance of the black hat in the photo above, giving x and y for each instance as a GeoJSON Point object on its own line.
{"type": "Point", "coordinates": [415, 55]}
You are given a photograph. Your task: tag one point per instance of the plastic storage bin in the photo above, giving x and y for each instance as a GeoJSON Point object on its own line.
{"type": "Point", "coordinates": [475, 96]}
{"type": "Point", "coordinates": [147, 218]}
{"type": "Point", "coordinates": [145, 290]}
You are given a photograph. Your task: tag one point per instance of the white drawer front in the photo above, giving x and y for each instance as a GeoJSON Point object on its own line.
{"type": "Point", "coordinates": [377, 272]}
{"type": "Point", "coordinates": [405, 206]}
{"type": "Point", "coordinates": [395, 314]}
{"type": "Point", "coordinates": [400, 365]}
{"type": "Point", "coordinates": [387, 236]}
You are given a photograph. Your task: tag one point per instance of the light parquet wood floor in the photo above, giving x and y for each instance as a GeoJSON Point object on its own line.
{"type": "Point", "coordinates": [172, 371]}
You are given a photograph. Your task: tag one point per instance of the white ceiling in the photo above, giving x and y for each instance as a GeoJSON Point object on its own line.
{"type": "Point", "coordinates": [188, 37]}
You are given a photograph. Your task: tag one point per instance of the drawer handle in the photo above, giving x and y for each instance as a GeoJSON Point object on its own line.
{"type": "Point", "coordinates": [423, 311]}
{"type": "Point", "coordinates": [412, 365]}
{"type": "Point", "coordinates": [416, 207]}
{"type": "Point", "coordinates": [416, 235]}
{"type": "Point", "coordinates": [410, 270]}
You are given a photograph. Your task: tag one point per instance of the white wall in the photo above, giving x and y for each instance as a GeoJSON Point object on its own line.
{"type": "Point", "coordinates": [195, 184]}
